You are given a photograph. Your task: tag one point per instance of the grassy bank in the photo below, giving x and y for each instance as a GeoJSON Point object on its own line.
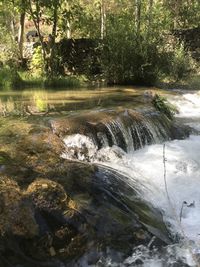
{"type": "Point", "coordinates": [12, 79]}
{"type": "Point", "coordinates": [29, 80]}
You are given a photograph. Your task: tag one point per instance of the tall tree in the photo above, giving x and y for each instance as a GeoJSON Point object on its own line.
{"type": "Point", "coordinates": [103, 18]}
{"type": "Point", "coordinates": [22, 11]}
{"type": "Point", "coordinates": [46, 10]}
{"type": "Point", "coordinates": [150, 11]}
{"type": "Point", "coordinates": [138, 5]}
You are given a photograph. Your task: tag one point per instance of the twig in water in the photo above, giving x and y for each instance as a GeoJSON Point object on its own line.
{"type": "Point", "coordinates": [165, 173]}
{"type": "Point", "coordinates": [174, 211]}
{"type": "Point", "coordinates": [181, 212]}
{"type": "Point", "coordinates": [151, 241]}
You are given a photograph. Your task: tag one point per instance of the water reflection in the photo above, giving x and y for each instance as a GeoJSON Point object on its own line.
{"type": "Point", "coordinates": [42, 102]}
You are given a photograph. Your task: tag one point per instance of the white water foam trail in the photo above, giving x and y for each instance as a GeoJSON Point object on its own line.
{"type": "Point", "coordinates": [182, 176]}
{"type": "Point", "coordinates": [183, 182]}
{"type": "Point", "coordinates": [189, 105]}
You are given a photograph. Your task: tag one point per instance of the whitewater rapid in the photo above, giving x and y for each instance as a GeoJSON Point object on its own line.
{"type": "Point", "coordinates": [169, 179]}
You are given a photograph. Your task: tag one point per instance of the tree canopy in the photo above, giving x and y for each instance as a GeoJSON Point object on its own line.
{"type": "Point", "coordinates": [131, 31]}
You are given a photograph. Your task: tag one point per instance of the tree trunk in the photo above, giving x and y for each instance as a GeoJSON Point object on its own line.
{"type": "Point", "coordinates": [53, 41]}
{"type": "Point", "coordinates": [21, 34]}
{"type": "Point", "coordinates": [12, 27]}
{"type": "Point", "coordinates": [36, 21]}
{"type": "Point", "coordinates": [150, 10]}
{"type": "Point", "coordinates": [68, 30]}
{"type": "Point", "coordinates": [103, 19]}
{"type": "Point", "coordinates": [138, 16]}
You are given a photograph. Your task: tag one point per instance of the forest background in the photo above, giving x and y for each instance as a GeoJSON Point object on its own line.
{"type": "Point", "coordinates": [69, 43]}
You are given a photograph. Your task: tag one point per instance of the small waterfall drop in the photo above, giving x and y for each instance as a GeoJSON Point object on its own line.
{"type": "Point", "coordinates": [128, 130]}
{"type": "Point", "coordinates": [144, 167]}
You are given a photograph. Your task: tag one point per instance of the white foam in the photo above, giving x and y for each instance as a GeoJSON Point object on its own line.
{"type": "Point", "coordinates": [79, 147]}
{"type": "Point", "coordinates": [188, 105]}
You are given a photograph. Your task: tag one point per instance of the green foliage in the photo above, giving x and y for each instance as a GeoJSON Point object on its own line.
{"type": "Point", "coordinates": [133, 42]}
{"type": "Point", "coordinates": [162, 105]}
{"type": "Point", "coordinates": [128, 57]}
{"type": "Point", "coordinates": [183, 14]}
{"type": "Point", "coordinates": [40, 101]}
{"type": "Point", "coordinates": [62, 82]}
{"type": "Point", "coordinates": [182, 63]}
{"type": "Point", "coordinates": [31, 80]}
{"type": "Point", "coordinates": [194, 82]}
{"type": "Point", "coordinates": [9, 78]}
{"type": "Point", "coordinates": [8, 46]}
{"type": "Point", "coordinates": [37, 63]}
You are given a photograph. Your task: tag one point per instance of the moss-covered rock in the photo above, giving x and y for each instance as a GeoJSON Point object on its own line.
{"type": "Point", "coordinates": [16, 214]}
{"type": "Point", "coordinates": [48, 195]}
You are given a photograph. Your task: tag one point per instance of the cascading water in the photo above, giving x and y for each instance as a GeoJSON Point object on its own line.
{"type": "Point", "coordinates": [176, 193]}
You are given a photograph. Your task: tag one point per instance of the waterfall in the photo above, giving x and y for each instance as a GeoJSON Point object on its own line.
{"type": "Point", "coordinates": [131, 143]}
{"type": "Point", "coordinates": [127, 129]}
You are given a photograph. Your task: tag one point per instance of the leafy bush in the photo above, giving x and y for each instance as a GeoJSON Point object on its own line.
{"type": "Point", "coordinates": [182, 63]}
{"type": "Point", "coordinates": [62, 82]}
{"type": "Point", "coordinates": [37, 63]}
{"type": "Point", "coordinates": [162, 105]}
{"type": "Point", "coordinates": [194, 82]}
{"type": "Point", "coordinates": [130, 58]}
{"type": "Point", "coordinates": [9, 78]}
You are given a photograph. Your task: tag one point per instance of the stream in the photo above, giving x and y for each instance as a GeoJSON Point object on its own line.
{"type": "Point", "coordinates": [173, 187]}
{"type": "Point", "coordinates": [135, 150]}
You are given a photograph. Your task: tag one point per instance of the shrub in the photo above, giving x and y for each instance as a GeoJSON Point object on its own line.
{"type": "Point", "coordinates": [37, 63]}
{"type": "Point", "coordinates": [194, 82]}
{"type": "Point", "coordinates": [62, 82]}
{"type": "Point", "coordinates": [162, 105]}
{"type": "Point", "coordinates": [182, 63]}
{"type": "Point", "coordinates": [130, 59]}
{"type": "Point", "coordinates": [9, 78]}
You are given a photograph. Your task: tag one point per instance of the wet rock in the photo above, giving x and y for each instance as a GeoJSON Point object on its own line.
{"type": "Point", "coordinates": [47, 195]}
{"type": "Point", "coordinates": [179, 131]}
{"type": "Point", "coordinates": [59, 220]}
{"type": "Point", "coordinates": [16, 214]}
{"type": "Point", "coordinates": [128, 129]}
{"type": "Point", "coordinates": [41, 143]}
{"type": "Point", "coordinates": [62, 220]}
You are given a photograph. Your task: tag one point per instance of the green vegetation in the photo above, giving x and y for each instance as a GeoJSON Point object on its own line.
{"type": "Point", "coordinates": [132, 42]}
{"type": "Point", "coordinates": [162, 105]}
{"type": "Point", "coordinates": [32, 80]}
{"type": "Point", "coordinates": [9, 78]}
{"type": "Point", "coordinates": [194, 82]}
